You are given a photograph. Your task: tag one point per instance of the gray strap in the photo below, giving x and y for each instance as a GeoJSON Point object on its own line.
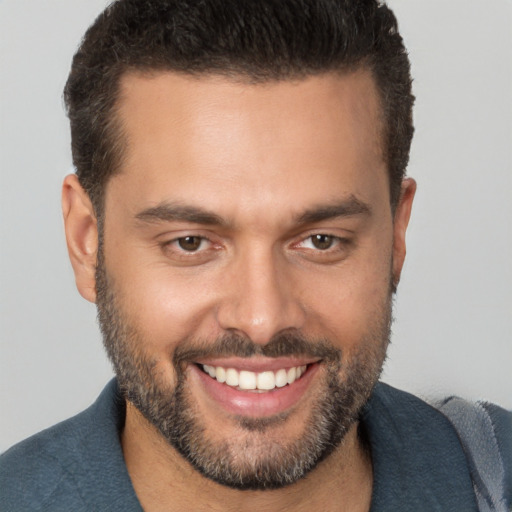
{"type": "Point", "coordinates": [476, 433]}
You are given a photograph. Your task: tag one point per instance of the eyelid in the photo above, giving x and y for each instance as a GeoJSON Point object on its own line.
{"type": "Point", "coordinates": [175, 241]}
{"type": "Point", "coordinates": [168, 243]}
{"type": "Point", "coordinates": [337, 240]}
{"type": "Point", "coordinates": [338, 252]}
{"type": "Point", "coordinates": [337, 237]}
{"type": "Point", "coordinates": [202, 241]}
{"type": "Point", "coordinates": [170, 236]}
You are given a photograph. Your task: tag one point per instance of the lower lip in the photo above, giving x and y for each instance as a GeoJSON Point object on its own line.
{"type": "Point", "coordinates": [255, 404]}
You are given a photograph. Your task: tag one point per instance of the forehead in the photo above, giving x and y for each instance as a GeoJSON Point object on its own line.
{"type": "Point", "coordinates": [213, 138]}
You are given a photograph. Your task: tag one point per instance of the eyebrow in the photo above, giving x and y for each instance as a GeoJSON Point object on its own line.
{"type": "Point", "coordinates": [346, 208]}
{"type": "Point", "coordinates": [169, 212]}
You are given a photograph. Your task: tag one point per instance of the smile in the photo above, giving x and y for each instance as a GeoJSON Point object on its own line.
{"type": "Point", "coordinates": [245, 380]}
{"type": "Point", "coordinates": [252, 387]}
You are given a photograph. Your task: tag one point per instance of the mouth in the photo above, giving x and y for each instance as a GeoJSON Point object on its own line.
{"type": "Point", "coordinates": [252, 388]}
{"type": "Point", "coordinates": [245, 380]}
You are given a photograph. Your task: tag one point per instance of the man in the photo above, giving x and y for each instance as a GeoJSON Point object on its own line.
{"type": "Point", "coordinates": [238, 216]}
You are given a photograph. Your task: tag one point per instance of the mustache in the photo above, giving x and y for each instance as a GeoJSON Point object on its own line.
{"type": "Point", "coordinates": [231, 344]}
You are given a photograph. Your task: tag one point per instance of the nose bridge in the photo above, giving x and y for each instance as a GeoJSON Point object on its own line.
{"type": "Point", "coordinates": [262, 301]}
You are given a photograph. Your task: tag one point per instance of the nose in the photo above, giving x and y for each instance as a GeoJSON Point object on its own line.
{"type": "Point", "coordinates": [262, 298]}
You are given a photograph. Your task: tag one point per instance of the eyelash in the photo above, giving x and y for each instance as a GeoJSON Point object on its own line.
{"type": "Point", "coordinates": [335, 241]}
{"type": "Point", "coordinates": [174, 244]}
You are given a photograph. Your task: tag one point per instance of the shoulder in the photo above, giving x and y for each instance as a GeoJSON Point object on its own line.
{"type": "Point", "coordinates": [418, 460]}
{"type": "Point", "coordinates": [405, 411]}
{"type": "Point", "coordinates": [476, 420]}
{"type": "Point", "coordinates": [76, 465]}
{"type": "Point", "coordinates": [485, 432]}
{"type": "Point", "coordinates": [35, 471]}
{"type": "Point", "coordinates": [439, 453]}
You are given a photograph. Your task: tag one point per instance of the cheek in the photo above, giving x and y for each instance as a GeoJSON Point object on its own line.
{"type": "Point", "coordinates": [166, 307]}
{"type": "Point", "coordinates": [351, 304]}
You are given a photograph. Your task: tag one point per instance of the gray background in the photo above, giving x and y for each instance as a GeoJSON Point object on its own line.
{"type": "Point", "coordinates": [453, 310]}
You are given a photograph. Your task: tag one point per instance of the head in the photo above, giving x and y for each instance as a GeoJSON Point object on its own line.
{"type": "Point", "coordinates": [240, 205]}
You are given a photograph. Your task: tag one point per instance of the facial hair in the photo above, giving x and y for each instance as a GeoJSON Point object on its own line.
{"type": "Point", "coordinates": [257, 459]}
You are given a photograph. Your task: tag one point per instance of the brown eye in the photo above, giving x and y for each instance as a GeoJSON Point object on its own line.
{"type": "Point", "coordinates": [190, 243]}
{"type": "Point", "coordinates": [322, 242]}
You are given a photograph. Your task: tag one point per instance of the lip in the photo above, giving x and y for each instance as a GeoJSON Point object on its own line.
{"type": "Point", "coordinates": [251, 404]}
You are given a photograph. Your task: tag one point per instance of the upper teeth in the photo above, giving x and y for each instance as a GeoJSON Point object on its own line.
{"type": "Point", "coordinates": [251, 380]}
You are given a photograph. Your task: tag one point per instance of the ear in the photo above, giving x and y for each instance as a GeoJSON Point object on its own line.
{"type": "Point", "coordinates": [401, 220]}
{"type": "Point", "coordinates": [81, 235]}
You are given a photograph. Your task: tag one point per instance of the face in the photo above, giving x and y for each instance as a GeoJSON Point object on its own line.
{"type": "Point", "coordinates": [244, 285]}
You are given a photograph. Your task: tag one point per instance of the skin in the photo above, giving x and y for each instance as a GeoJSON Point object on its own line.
{"type": "Point", "coordinates": [258, 157]}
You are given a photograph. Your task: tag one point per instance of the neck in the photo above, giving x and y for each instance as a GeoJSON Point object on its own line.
{"type": "Point", "coordinates": [163, 480]}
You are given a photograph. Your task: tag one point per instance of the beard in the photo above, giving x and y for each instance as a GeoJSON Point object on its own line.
{"type": "Point", "coordinates": [257, 458]}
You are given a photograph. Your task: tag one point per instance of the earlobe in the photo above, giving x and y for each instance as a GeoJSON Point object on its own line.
{"type": "Point", "coordinates": [401, 220]}
{"type": "Point", "coordinates": [81, 235]}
